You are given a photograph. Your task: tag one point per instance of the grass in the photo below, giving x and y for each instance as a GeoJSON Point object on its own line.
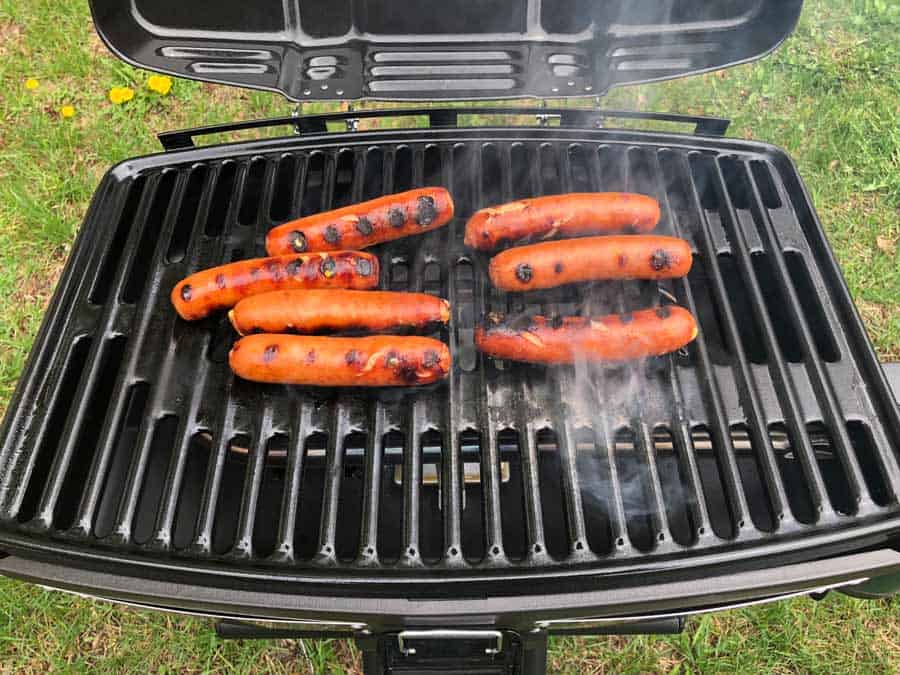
{"type": "Point", "coordinates": [830, 96]}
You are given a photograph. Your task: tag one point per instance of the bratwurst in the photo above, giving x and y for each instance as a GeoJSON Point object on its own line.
{"type": "Point", "coordinates": [376, 361]}
{"type": "Point", "coordinates": [554, 263]}
{"type": "Point", "coordinates": [221, 287]}
{"type": "Point", "coordinates": [364, 224]}
{"type": "Point", "coordinates": [568, 215]}
{"type": "Point", "coordinates": [608, 339]}
{"type": "Point", "coordinates": [337, 310]}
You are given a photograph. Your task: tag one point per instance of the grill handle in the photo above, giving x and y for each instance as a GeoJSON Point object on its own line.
{"type": "Point", "coordinates": [404, 637]}
{"type": "Point", "coordinates": [347, 121]}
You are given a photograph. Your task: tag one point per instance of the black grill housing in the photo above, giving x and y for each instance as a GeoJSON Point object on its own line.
{"type": "Point", "coordinates": [774, 436]}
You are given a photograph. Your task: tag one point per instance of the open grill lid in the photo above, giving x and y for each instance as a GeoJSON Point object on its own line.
{"type": "Point", "coordinates": [452, 49]}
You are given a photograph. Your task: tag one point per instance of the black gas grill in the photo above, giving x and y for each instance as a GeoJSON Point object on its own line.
{"type": "Point", "coordinates": [762, 460]}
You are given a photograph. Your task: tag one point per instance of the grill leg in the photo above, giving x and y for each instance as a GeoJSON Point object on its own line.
{"type": "Point", "coordinates": [534, 655]}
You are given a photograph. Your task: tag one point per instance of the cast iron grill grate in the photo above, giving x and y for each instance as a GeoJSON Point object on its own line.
{"type": "Point", "coordinates": [129, 434]}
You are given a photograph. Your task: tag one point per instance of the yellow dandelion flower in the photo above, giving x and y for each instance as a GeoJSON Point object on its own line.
{"type": "Point", "coordinates": [161, 84]}
{"type": "Point", "coordinates": [32, 84]}
{"type": "Point", "coordinates": [67, 111]}
{"type": "Point", "coordinates": [119, 95]}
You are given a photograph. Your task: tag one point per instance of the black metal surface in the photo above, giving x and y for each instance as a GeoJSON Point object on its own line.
{"type": "Point", "coordinates": [129, 440]}
{"type": "Point", "coordinates": [387, 49]}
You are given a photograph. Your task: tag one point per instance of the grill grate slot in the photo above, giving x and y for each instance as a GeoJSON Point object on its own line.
{"type": "Point", "coordinates": [282, 195]}
{"type": "Point", "coordinates": [390, 537]}
{"type": "Point", "coordinates": [252, 191]}
{"type": "Point", "coordinates": [117, 244]}
{"type": "Point", "coordinates": [152, 479]}
{"type": "Point", "coordinates": [403, 169]}
{"type": "Point", "coordinates": [433, 167]}
{"type": "Point", "coordinates": [312, 486]}
{"type": "Point", "coordinates": [473, 517]}
{"type": "Point", "coordinates": [187, 509]}
{"type": "Point", "coordinates": [231, 481]}
{"type": "Point", "coordinates": [721, 516]}
{"type": "Point", "coordinates": [149, 443]}
{"type": "Point", "coordinates": [512, 497]}
{"type": "Point", "coordinates": [373, 174]}
{"type": "Point", "coordinates": [552, 494]}
{"type": "Point", "coordinates": [221, 199]}
{"type": "Point", "coordinates": [312, 200]}
{"type": "Point", "coordinates": [595, 485]}
{"type": "Point", "coordinates": [463, 176]}
{"type": "Point", "coordinates": [108, 500]}
{"type": "Point", "coordinates": [344, 177]}
{"type": "Point", "coordinates": [779, 314]}
{"type": "Point", "coordinates": [676, 496]}
{"type": "Point", "coordinates": [349, 515]}
{"type": "Point", "coordinates": [802, 505]}
{"type": "Point", "coordinates": [187, 213]}
{"type": "Point", "coordinates": [491, 187]}
{"type": "Point", "coordinates": [755, 489]}
{"type": "Point", "coordinates": [872, 466]}
{"type": "Point", "coordinates": [75, 461]}
{"type": "Point", "coordinates": [151, 235]}
{"type": "Point", "coordinates": [818, 324]}
{"type": "Point", "coordinates": [34, 474]}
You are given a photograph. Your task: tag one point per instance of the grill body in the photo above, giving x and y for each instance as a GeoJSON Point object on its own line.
{"type": "Point", "coordinates": [509, 491]}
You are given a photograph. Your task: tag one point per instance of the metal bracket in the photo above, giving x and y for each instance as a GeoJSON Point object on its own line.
{"type": "Point", "coordinates": [543, 119]}
{"type": "Point", "coordinates": [449, 634]}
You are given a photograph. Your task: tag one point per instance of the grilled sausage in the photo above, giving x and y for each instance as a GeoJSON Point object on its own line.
{"type": "Point", "coordinates": [568, 215]}
{"type": "Point", "coordinates": [554, 263]}
{"type": "Point", "coordinates": [622, 337]}
{"type": "Point", "coordinates": [221, 287]}
{"type": "Point", "coordinates": [376, 361]}
{"type": "Point", "coordinates": [365, 224]}
{"type": "Point", "coordinates": [333, 310]}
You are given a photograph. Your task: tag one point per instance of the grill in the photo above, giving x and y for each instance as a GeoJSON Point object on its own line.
{"type": "Point", "coordinates": [130, 437]}
{"type": "Point", "coordinates": [461, 523]}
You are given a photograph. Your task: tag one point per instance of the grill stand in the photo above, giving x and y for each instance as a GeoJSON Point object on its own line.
{"type": "Point", "coordinates": [448, 651]}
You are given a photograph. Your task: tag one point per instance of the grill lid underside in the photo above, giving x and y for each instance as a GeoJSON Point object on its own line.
{"type": "Point", "coordinates": [773, 431]}
{"type": "Point", "coordinates": [455, 49]}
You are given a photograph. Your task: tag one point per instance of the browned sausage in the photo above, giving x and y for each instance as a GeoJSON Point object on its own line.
{"type": "Point", "coordinates": [619, 337]}
{"type": "Point", "coordinates": [569, 215]}
{"type": "Point", "coordinates": [375, 361]}
{"type": "Point", "coordinates": [365, 224]}
{"type": "Point", "coordinates": [333, 310]}
{"type": "Point", "coordinates": [554, 263]}
{"type": "Point", "coordinates": [221, 287]}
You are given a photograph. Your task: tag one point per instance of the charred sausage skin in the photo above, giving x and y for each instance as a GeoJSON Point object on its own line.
{"type": "Point", "coordinates": [365, 224]}
{"type": "Point", "coordinates": [569, 215]}
{"type": "Point", "coordinates": [555, 263]}
{"type": "Point", "coordinates": [314, 311]}
{"type": "Point", "coordinates": [222, 287]}
{"type": "Point", "coordinates": [607, 339]}
{"type": "Point", "coordinates": [375, 361]}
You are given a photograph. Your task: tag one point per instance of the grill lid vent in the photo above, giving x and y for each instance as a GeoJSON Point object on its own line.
{"type": "Point", "coordinates": [455, 49]}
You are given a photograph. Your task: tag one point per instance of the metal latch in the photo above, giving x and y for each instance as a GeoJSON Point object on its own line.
{"type": "Point", "coordinates": [449, 634]}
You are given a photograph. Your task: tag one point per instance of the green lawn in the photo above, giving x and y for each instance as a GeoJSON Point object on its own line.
{"type": "Point", "coordinates": [830, 96]}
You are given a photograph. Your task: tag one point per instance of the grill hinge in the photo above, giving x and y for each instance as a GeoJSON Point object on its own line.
{"type": "Point", "coordinates": [581, 118]}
